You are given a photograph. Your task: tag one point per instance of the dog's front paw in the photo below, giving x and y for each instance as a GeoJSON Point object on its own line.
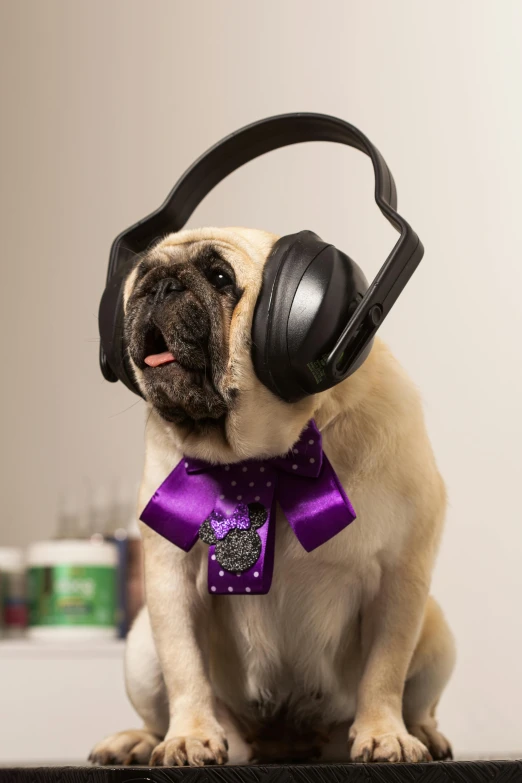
{"type": "Point", "coordinates": [394, 746]}
{"type": "Point", "coordinates": [125, 748]}
{"type": "Point", "coordinates": [196, 751]}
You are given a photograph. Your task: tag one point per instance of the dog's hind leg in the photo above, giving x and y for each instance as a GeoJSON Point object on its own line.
{"type": "Point", "coordinates": [147, 693]}
{"type": "Point", "coordinates": [430, 670]}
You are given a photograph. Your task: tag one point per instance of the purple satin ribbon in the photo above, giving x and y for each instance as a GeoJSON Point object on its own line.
{"type": "Point", "coordinates": [303, 483]}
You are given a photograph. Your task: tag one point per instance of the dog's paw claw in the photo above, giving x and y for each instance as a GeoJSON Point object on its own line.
{"type": "Point", "coordinates": [190, 750]}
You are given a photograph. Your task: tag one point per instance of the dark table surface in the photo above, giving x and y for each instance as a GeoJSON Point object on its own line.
{"type": "Point", "coordinates": [488, 771]}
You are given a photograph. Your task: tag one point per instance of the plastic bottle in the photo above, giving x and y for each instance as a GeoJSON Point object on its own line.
{"type": "Point", "coordinates": [73, 516]}
{"type": "Point", "coordinates": [72, 590]}
{"type": "Point", "coordinates": [101, 524]}
{"type": "Point", "coordinates": [13, 607]}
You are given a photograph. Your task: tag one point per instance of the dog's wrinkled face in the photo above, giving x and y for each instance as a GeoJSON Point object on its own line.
{"type": "Point", "coordinates": [177, 325]}
{"type": "Point", "coordinates": [189, 306]}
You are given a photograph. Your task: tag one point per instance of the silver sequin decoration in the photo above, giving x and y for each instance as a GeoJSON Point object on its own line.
{"type": "Point", "coordinates": [239, 550]}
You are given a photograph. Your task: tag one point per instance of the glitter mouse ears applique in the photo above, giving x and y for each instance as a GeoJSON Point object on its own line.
{"type": "Point", "coordinates": [232, 509]}
{"type": "Point", "coordinates": [238, 546]}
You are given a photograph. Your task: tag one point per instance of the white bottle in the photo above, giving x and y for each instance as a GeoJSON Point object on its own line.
{"type": "Point", "coordinates": [72, 590]}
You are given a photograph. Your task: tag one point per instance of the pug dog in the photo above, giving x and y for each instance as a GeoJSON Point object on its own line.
{"type": "Point", "coordinates": [347, 655]}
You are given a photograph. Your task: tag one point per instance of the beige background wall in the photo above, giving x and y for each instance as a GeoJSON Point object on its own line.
{"type": "Point", "coordinates": [104, 105]}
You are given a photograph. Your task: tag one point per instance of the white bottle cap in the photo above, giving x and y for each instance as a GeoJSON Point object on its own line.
{"type": "Point", "coordinates": [11, 559]}
{"type": "Point", "coordinates": [71, 552]}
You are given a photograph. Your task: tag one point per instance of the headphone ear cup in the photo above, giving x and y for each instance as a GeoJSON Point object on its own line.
{"type": "Point", "coordinates": [310, 291]}
{"type": "Point", "coordinates": [325, 300]}
{"type": "Point", "coordinates": [113, 360]}
{"type": "Point", "coordinates": [282, 272]}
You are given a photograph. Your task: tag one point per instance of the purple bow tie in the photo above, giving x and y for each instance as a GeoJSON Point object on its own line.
{"type": "Point", "coordinates": [232, 508]}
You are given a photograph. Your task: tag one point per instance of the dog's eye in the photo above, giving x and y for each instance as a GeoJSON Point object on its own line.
{"type": "Point", "coordinates": [219, 279]}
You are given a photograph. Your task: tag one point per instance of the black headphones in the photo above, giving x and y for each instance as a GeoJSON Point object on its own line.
{"type": "Point", "coordinates": [316, 315]}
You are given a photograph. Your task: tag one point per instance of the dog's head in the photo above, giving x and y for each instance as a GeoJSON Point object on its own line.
{"type": "Point", "coordinates": [189, 306]}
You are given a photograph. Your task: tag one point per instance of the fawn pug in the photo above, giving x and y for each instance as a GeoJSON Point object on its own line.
{"type": "Point", "coordinates": [348, 644]}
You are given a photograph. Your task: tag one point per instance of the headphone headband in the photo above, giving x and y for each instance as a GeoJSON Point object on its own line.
{"type": "Point", "coordinates": [221, 160]}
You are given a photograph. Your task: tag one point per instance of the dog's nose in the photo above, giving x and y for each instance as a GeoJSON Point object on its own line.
{"type": "Point", "coordinates": [166, 287]}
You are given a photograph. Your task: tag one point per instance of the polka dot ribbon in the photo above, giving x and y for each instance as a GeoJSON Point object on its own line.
{"type": "Point", "coordinates": [303, 482]}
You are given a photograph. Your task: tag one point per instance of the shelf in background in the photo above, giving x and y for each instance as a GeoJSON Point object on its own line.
{"type": "Point", "coordinates": [28, 648]}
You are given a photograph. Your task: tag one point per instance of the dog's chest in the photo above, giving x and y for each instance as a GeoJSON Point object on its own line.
{"type": "Point", "coordinates": [299, 644]}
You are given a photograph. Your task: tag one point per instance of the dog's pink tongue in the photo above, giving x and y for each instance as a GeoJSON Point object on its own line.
{"type": "Point", "coordinates": [156, 359]}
